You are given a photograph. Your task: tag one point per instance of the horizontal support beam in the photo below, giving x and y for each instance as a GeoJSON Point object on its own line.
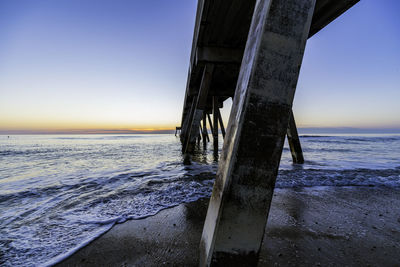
{"type": "Point", "coordinates": [218, 55]}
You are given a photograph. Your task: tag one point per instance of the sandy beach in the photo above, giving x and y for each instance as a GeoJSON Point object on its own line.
{"type": "Point", "coordinates": [320, 226]}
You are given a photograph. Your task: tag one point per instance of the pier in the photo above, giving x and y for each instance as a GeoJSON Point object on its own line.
{"type": "Point", "coordinates": [250, 51]}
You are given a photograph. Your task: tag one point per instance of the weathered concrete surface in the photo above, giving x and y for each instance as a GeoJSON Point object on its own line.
{"type": "Point", "coordinates": [306, 227]}
{"type": "Point", "coordinates": [250, 157]}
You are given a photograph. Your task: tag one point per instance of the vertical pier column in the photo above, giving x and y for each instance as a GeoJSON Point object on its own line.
{"type": "Point", "coordinates": [294, 141]}
{"type": "Point", "coordinates": [210, 122]}
{"type": "Point", "coordinates": [194, 123]}
{"type": "Point", "coordinates": [221, 124]}
{"type": "Point", "coordinates": [205, 134]}
{"type": "Point", "coordinates": [187, 122]}
{"type": "Point", "coordinates": [199, 135]}
{"type": "Point", "coordinates": [215, 124]}
{"type": "Point", "coordinates": [178, 130]}
{"type": "Point", "coordinates": [243, 189]}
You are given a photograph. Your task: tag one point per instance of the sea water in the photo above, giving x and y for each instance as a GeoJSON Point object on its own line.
{"type": "Point", "coordinates": [59, 192]}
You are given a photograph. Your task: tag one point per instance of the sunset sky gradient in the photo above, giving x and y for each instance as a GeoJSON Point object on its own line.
{"type": "Point", "coordinates": [102, 65]}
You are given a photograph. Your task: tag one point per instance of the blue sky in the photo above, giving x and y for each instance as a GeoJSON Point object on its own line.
{"type": "Point", "coordinates": [102, 64]}
{"type": "Point", "coordinates": [351, 70]}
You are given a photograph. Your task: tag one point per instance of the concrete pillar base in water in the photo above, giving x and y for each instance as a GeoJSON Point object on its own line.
{"type": "Point", "coordinates": [243, 189]}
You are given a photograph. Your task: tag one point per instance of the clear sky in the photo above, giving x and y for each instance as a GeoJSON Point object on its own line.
{"type": "Point", "coordinates": [122, 64]}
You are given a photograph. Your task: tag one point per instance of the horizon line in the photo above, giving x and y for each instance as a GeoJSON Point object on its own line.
{"type": "Point", "coordinates": [171, 131]}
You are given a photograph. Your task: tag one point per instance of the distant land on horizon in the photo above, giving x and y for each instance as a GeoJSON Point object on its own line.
{"type": "Point", "coordinates": [301, 130]}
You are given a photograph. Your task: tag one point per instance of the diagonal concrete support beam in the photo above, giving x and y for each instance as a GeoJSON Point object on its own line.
{"type": "Point", "coordinates": [243, 189]}
{"type": "Point", "coordinates": [187, 122]}
{"type": "Point", "coordinates": [294, 141]}
{"type": "Point", "coordinates": [204, 132]}
{"type": "Point", "coordinates": [215, 125]}
{"type": "Point", "coordinates": [210, 122]}
{"type": "Point", "coordinates": [193, 126]}
{"type": "Point", "coordinates": [221, 124]}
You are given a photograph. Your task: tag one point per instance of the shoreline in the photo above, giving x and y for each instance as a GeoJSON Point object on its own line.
{"type": "Point", "coordinates": [306, 226]}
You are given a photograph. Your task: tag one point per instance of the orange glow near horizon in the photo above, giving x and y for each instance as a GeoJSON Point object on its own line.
{"type": "Point", "coordinates": [85, 123]}
{"type": "Point", "coordinates": [117, 121]}
{"type": "Point", "coordinates": [70, 126]}
{"type": "Point", "coordinates": [91, 128]}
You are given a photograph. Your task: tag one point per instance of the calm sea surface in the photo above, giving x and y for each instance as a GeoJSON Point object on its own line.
{"type": "Point", "coordinates": [59, 192]}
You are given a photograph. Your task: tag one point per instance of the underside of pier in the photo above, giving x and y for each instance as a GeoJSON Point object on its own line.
{"type": "Point", "coordinates": [250, 51]}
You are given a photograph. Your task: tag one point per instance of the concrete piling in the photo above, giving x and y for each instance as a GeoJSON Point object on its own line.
{"type": "Point", "coordinates": [215, 124]}
{"type": "Point", "coordinates": [199, 107]}
{"type": "Point", "coordinates": [249, 162]}
{"type": "Point", "coordinates": [221, 124]}
{"type": "Point", "coordinates": [294, 141]}
{"type": "Point", "coordinates": [178, 130]}
{"type": "Point", "coordinates": [185, 124]}
{"type": "Point", "coordinates": [199, 135]}
{"type": "Point", "coordinates": [205, 134]}
{"type": "Point", "coordinates": [250, 51]}
{"type": "Point", "coordinates": [210, 122]}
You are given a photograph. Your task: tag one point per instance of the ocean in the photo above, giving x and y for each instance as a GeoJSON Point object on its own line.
{"type": "Point", "coordinates": [60, 192]}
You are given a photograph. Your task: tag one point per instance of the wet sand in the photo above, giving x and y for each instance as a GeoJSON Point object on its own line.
{"type": "Point", "coordinates": [324, 226]}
